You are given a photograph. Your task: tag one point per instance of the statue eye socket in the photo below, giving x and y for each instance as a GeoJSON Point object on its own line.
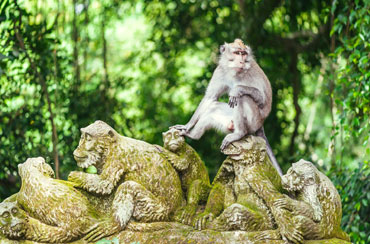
{"type": "Point", "coordinates": [14, 210]}
{"type": "Point", "coordinates": [88, 137]}
{"type": "Point", "coordinates": [6, 214]}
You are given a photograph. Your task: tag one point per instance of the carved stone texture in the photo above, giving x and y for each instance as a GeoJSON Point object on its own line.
{"type": "Point", "coordinates": [243, 190]}
{"type": "Point", "coordinates": [131, 187]}
{"type": "Point", "coordinates": [149, 188]}
{"type": "Point", "coordinates": [317, 205]}
{"type": "Point", "coordinates": [47, 210]}
{"type": "Point", "coordinates": [192, 171]}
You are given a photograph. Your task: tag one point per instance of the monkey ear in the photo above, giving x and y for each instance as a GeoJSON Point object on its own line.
{"type": "Point", "coordinates": [222, 48]}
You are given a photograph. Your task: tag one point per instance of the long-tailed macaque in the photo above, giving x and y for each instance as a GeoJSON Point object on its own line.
{"type": "Point", "coordinates": [250, 98]}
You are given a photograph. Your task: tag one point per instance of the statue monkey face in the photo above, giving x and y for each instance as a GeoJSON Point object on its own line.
{"type": "Point", "coordinates": [89, 152]}
{"type": "Point", "coordinates": [251, 149]}
{"type": "Point", "coordinates": [301, 174]}
{"type": "Point", "coordinates": [95, 139]}
{"type": "Point", "coordinates": [236, 56]}
{"type": "Point", "coordinates": [12, 220]}
{"type": "Point", "coordinates": [35, 164]}
{"type": "Point", "coordinates": [172, 140]}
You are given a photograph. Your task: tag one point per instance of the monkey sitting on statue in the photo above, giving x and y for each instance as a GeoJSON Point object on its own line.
{"type": "Point", "coordinates": [250, 98]}
{"type": "Point", "coordinates": [192, 171]}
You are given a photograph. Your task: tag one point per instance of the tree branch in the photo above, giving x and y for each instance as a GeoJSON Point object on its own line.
{"type": "Point", "coordinates": [44, 89]}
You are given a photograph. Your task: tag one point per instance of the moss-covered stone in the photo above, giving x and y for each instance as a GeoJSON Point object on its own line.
{"type": "Point", "coordinates": [178, 233]}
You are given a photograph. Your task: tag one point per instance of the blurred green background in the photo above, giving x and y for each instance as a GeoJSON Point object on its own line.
{"type": "Point", "coordinates": [143, 66]}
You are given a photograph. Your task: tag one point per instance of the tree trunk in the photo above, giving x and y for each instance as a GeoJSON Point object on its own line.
{"type": "Point", "coordinates": [45, 92]}
{"type": "Point", "coordinates": [332, 145]}
{"type": "Point", "coordinates": [105, 65]}
{"type": "Point", "coordinates": [76, 64]}
{"type": "Point", "coordinates": [87, 40]}
{"type": "Point", "coordinates": [296, 90]}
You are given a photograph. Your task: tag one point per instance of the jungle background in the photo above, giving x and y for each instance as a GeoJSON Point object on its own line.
{"type": "Point", "coordinates": [143, 66]}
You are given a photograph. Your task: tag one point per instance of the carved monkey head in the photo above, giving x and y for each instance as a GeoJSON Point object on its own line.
{"type": "Point", "coordinates": [33, 165]}
{"type": "Point", "coordinates": [94, 142]}
{"type": "Point", "coordinates": [251, 149]}
{"type": "Point", "coordinates": [303, 177]}
{"type": "Point", "coordinates": [235, 56]}
{"type": "Point", "coordinates": [172, 140]}
{"type": "Point", "coordinates": [301, 174]}
{"type": "Point", "coordinates": [12, 220]}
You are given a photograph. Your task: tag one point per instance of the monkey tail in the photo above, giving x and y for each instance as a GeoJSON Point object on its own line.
{"type": "Point", "coordinates": [261, 133]}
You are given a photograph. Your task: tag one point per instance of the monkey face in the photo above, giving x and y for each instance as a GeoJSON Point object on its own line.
{"type": "Point", "coordinates": [172, 140]}
{"type": "Point", "coordinates": [235, 56]}
{"type": "Point", "coordinates": [301, 174]}
{"type": "Point", "coordinates": [88, 152]}
{"type": "Point", "coordinates": [35, 164]}
{"type": "Point", "coordinates": [292, 180]}
{"type": "Point", "coordinates": [12, 220]}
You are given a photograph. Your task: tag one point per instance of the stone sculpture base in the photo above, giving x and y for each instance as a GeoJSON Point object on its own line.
{"type": "Point", "coordinates": [166, 232]}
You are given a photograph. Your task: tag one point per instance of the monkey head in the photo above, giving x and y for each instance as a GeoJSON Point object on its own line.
{"type": "Point", "coordinates": [250, 149]}
{"type": "Point", "coordinates": [236, 56]}
{"type": "Point", "coordinates": [94, 143]}
{"type": "Point", "coordinates": [303, 178]}
{"type": "Point", "coordinates": [35, 165]}
{"type": "Point", "coordinates": [301, 174]}
{"type": "Point", "coordinates": [172, 140]}
{"type": "Point", "coordinates": [13, 220]}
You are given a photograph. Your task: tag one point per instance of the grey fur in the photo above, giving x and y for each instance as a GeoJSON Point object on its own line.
{"type": "Point", "coordinates": [250, 98]}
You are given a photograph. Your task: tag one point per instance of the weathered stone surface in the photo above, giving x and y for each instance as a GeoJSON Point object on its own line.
{"type": "Point", "coordinates": [130, 188]}
{"type": "Point", "coordinates": [183, 234]}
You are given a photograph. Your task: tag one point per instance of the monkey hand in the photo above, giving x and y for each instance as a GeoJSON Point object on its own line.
{"type": "Point", "coordinates": [178, 127]}
{"type": "Point", "coordinates": [285, 203]}
{"type": "Point", "coordinates": [202, 220]}
{"type": "Point", "coordinates": [233, 101]}
{"type": "Point", "coordinates": [290, 229]}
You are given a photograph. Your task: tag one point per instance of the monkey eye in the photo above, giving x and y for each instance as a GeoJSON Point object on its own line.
{"type": "Point", "coordinates": [6, 214]}
{"type": "Point", "coordinates": [14, 210]}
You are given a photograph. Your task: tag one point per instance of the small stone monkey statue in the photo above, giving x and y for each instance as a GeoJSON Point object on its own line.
{"type": "Point", "coordinates": [192, 171]}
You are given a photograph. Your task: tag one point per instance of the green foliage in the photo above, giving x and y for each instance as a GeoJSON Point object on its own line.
{"type": "Point", "coordinates": [106, 241]}
{"type": "Point", "coordinates": [354, 189]}
{"type": "Point", "coordinates": [142, 66]}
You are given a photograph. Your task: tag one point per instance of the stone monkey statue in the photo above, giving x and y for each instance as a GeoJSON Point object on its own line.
{"type": "Point", "coordinates": [317, 207]}
{"type": "Point", "coordinates": [192, 170]}
{"type": "Point", "coordinates": [250, 98]}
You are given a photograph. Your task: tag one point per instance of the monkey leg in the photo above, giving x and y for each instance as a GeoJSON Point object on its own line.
{"type": "Point", "coordinates": [217, 116]}
{"type": "Point", "coordinates": [246, 119]}
{"type": "Point", "coordinates": [40, 232]}
{"type": "Point", "coordinates": [198, 191]}
{"type": "Point", "coordinates": [134, 200]}
{"type": "Point", "coordinates": [240, 217]}
{"type": "Point", "coordinates": [214, 206]}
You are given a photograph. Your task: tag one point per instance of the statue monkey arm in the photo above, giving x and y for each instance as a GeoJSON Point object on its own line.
{"type": "Point", "coordinates": [270, 193]}
{"type": "Point", "coordinates": [103, 184]}
{"type": "Point", "coordinates": [179, 164]}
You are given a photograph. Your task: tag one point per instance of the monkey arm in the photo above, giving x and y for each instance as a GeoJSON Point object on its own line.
{"type": "Point", "coordinates": [102, 184]}
{"type": "Point", "coordinates": [178, 162]}
{"type": "Point", "coordinates": [254, 93]}
{"type": "Point", "coordinates": [270, 193]}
